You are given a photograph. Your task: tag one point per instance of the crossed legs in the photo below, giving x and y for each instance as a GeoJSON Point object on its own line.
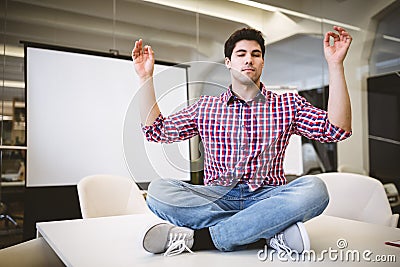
{"type": "Point", "coordinates": [236, 217]}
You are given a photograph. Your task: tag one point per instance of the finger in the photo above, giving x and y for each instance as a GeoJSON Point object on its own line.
{"type": "Point", "coordinates": [345, 36]}
{"type": "Point", "coordinates": [333, 34]}
{"type": "Point", "coordinates": [146, 49]}
{"type": "Point", "coordinates": [151, 52]}
{"type": "Point", "coordinates": [328, 35]}
{"type": "Point", "coordinates": [338, 28]}
{"type": "Point", "coordinates": [345, 33]}
{"type": "Point", "coordinates": [138, 44]}
{"type": "Point", "coordinates": [327, 38]}
{"type": "Point", "coordinates": [137, 49]}
{"type": "Point", "coordinates": [341, 30]}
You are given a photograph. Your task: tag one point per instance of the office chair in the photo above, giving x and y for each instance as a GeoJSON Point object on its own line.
{"type": "Point", "coordinates": [351, 169]}
{"type": "Point", "coordinates": [311, 162]}
{"type": "Point", "coordinates": [5, 216]}
{"type": "Point", "coordinates": [14, 171]}
{"type": "Point", "coordinates": [109, 195]}
{"type": "Point", "coordinates": [358, 197]}
{"type": "Point", "coordinates": [32, 253]}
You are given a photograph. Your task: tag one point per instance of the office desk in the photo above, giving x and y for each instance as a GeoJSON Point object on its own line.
{"type": "Point", "coordinates": [116, 241]}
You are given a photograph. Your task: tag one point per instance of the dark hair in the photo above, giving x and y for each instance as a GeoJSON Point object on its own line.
{"type": "Point", "coordinates": [243, 34]}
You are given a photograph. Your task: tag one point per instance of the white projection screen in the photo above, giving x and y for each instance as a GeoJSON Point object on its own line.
{"type": "Point", "coordinates": [82, 118]}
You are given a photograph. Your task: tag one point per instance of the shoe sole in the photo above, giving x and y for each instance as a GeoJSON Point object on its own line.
{"type": "Point", "coordinates": [304, 236]}
{"type": "Point", "coordinates": [150, 235]}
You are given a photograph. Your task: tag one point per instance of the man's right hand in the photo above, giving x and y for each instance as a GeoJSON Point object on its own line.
{"type": "Point", "coordinates": [143, 60]}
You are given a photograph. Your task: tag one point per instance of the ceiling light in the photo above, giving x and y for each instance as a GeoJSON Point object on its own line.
{"type": "Point", "coordinates": [13, 84]}
{"type": "Point", "coordinates": [256, 5]}
{"type": "Point", "coordinates": [391, 38]}
{"type": "Point", "coordinates": [295, 13]}
{"type": "Point", "coordinates": [344, 25]}
{"type": "Point", "coordinates": [12, 51]}
{"type": "Point", "coordinates": [6, 118]}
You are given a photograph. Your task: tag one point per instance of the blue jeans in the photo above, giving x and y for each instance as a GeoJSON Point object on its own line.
{"type": "Point", "coordinates": [237, 216]}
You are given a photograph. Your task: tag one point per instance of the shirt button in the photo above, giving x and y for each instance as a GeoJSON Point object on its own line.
{"type": "Point", "coordinates": [242, 147]}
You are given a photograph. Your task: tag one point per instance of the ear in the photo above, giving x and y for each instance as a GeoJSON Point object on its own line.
{"type": "Point", "coordinates": [228, 63]}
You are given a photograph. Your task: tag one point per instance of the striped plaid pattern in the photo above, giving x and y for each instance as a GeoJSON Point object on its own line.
{"type": "Point", "coordinates": [245, 141]}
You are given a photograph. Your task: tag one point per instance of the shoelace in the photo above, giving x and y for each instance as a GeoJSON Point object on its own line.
{"type": "Point", "coordinates": [279, 245]}
{"type": "Point", "coordinates": [176, 245]}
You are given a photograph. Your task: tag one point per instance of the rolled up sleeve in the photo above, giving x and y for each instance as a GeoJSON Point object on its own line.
{"type": "Point", "coordinates": [176, 127]}
{"type": "Point", "coordinates": [313, 123]}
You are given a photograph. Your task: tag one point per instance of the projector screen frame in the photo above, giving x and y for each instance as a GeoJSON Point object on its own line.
{"type": "Point", "coordinates": [28, 44]}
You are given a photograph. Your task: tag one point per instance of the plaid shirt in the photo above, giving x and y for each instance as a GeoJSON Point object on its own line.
{"type": "Point", "coordinates": [245, 141]}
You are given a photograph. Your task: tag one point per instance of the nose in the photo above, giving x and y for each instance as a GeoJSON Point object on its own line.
{"type": "Point", "coordinates": [248, 59]}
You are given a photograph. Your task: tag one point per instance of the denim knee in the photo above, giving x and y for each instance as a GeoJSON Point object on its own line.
{"type": "Point", "coordinates": [320, 191]}
{"type": "Point", "coordinates": [315, 189]}
{"type": "Point", "coordinates": [156, 197]}
{"type": "Point", "coordinates": [157, 193]}
{"type": "Point", "coordinates": [156, 187]}
{"type": "Point", "coordinates": [320, 186]}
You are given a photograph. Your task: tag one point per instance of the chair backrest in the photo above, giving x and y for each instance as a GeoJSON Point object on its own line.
{"type": "Point", "coordinates": [108, 195]}
{"type": "Point", "coordinates": [311, 161]}
{"type": "Point", "coordinates": [358, 197]}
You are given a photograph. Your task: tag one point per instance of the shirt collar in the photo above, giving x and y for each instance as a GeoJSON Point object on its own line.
{"type": "Point", "coordinates": [228, 96]}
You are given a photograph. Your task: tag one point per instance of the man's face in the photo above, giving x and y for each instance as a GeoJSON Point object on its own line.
{"type": "Point", "coordinates": [246, 62]}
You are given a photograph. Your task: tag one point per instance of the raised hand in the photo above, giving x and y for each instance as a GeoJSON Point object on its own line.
{"type": "Point", "coordinates": [143, 60]}
{"type": "Point", "coordinates": [336, 53]}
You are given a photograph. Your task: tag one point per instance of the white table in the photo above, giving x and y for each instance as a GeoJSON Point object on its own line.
{"type": "Point", "coordinates": [117, 241]}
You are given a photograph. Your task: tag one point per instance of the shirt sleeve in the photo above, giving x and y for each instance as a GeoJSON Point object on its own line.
{"type": "Point", "coordinates": [313, 123]}
{"type": "Point", "coordinates": [176, 127]}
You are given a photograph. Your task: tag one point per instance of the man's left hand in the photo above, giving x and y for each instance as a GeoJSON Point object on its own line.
{"type": "Point", "coordinates": [336, 53]}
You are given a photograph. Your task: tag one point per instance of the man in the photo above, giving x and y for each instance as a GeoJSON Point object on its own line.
{"type": "Point", "coordinates": [245, 132]}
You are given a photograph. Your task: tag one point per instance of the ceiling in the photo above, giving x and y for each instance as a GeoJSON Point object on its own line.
{"type": "Point", "coordinates": [98, 25]}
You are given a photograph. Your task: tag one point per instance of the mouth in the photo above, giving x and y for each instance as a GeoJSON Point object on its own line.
{"type": "Point", "coordinates": [248, 69]}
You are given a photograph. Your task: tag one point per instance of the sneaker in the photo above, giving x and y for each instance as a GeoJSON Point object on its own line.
{"type": "Point", "coordinates": [168, 239]}
{"type": "Point", "coordinates": [293, 238]}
